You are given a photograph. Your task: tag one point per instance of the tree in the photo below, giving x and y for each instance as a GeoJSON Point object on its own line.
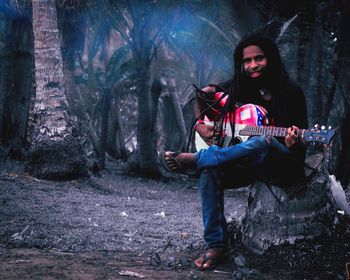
{"type": "Point", "coordinates": [55, 153]}
{"type": "Point", "coordinates": [142, 25]}
{"type": "Point", "coordinates": [16, 80]}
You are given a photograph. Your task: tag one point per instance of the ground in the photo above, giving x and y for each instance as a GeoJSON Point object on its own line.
{"type": "Point", "coordinates": [111, 226]}
{"type": "Point", "coordinates": [97, 227]}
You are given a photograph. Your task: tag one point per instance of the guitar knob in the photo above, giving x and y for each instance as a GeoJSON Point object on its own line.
{"type": "Point", "coordinates": [329, 128]}
{"type": "Point", "coordinates": [323, 127]}
{"type": "Point", "coordinates": [316, 126]}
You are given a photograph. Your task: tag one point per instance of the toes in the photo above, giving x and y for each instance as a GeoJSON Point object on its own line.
{"type": "Point", "coordinates": [203, 263]}
{"type": "Point", "coordinates": [199, 262]}
{"type": "Point", "coordinates": [207, 264]}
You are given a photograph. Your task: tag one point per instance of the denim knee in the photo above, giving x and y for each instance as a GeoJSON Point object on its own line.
{"type": "Point", "coordinates": [263, 141]}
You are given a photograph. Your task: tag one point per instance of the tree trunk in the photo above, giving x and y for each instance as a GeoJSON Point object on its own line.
{"type": "Point", "coordinates": [145, 135]}
{"type": "Point", "coordinates": [5, 65]}
{"type": "Point", "coordinates": [112, 146]}
{"type": "Point", "coordinates": [276, 215]}
{"type": "Point", "coordinates": [116, 139]}
{"type": "Point", "coordinates": [51, 103]}
{"type": "Point", "coordinates": [71, 93]}
{"type": "Point", "coordinates": [315, 70]}
{"type": "Point", "coordinates": [104, 126]}
{"type": "Point", "coordinates": [22, 85]}
{"type": "Point", "coordinates": [343, 60]}
{"type": "Point", "coordinates": [178, 114]}
{"type": "Point", "coordinates": [55, 153]}
{"type": "Point", "coordinates": [120, 133]}
{"type": "Point", "coordinates": [20, 109]}
{"type": "Point", "coordinates": [156, 91]}
{"type": "Point", "coordinates": [306, 22]}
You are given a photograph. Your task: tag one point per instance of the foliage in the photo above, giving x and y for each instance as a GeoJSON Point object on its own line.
{"type": "Point", "coordinates": [111, 44]}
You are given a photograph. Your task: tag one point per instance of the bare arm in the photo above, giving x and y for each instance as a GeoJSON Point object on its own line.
{"type": "Point", "coordinates": [205, 131]}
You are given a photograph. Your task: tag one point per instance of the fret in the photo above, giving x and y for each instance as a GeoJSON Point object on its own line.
{"type": "Point", "coordinates": [269, 132]}
{"type": "Point", "coordinates": [285, 131]}
{"type": "Point", "coordinates": [252, 130]}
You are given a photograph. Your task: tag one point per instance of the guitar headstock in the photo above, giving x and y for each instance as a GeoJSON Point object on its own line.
{"type": "Point", "coordinates": [319, 135]}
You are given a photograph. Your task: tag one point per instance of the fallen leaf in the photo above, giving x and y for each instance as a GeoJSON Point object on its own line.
{"type": "Point", "coordinates": [131, 273]}
{"type": "Point", "coordinates": [123, 214]}
{"type": "Point", "coordinates": [161, 214]}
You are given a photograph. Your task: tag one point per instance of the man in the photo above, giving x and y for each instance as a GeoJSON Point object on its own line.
{"type": "Point", "coordinates": [260, 78]}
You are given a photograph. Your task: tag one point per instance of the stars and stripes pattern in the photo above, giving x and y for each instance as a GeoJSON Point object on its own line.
{"type": "Point", "coordinates": [251, 114]}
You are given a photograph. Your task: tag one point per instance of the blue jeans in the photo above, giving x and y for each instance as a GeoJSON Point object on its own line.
{"type": "Point", "coordinates": [225, 167]}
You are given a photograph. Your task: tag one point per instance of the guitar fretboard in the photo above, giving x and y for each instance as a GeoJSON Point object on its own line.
{"type": "Point", "coordinates": [264, 130]}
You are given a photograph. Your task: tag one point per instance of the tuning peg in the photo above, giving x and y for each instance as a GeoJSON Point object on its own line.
{"type": "Point", "coordinates": [316, 126]}
{"type": "Point", "coordinates": [329, 127]}
{"type": "Point", "coordinates": [323, 127]}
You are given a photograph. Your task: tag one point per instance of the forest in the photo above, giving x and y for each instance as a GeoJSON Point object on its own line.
{"type": "Point", "coordinates": [118, 75]}
{"type": "Point", "coordinates": [87, 84]}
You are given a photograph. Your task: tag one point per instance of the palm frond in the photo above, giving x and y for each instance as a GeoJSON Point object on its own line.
{"type": "Point", "coordinates": [118, 58]}
{"type": "Point", "coordinates": [285, 27]}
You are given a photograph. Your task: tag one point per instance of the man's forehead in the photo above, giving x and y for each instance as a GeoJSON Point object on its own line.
{"type": "Point", "coordinates": [252, 50]}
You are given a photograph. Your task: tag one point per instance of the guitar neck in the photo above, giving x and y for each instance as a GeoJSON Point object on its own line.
{"type": "Point", "coordinates": [251, 130]}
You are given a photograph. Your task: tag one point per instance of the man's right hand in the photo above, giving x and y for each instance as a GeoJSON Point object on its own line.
{"type": "Point", "coordinates": [209, 89]}
{"type": "Point", "coordinates": [207, 133]}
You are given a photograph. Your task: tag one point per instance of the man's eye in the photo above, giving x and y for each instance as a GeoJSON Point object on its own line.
{"type": "Point", "coordinates": [259, 58]}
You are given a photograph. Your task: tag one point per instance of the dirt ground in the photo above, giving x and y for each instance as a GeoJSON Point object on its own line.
{"type": "Point", "coordinates": [114, 226]}
{"type": "Point", "coordinates": [102, 227]}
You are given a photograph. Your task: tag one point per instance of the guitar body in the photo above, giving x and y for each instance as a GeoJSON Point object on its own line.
{"type": "Point", "coordinates": [246, 115]}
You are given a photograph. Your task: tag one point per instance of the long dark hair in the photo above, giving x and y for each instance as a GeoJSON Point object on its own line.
{"type": "Point", "coordinates": [241, 87]}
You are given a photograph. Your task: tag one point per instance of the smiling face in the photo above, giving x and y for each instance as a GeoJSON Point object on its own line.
{"type": "Point", "coordinates": [254, 62]}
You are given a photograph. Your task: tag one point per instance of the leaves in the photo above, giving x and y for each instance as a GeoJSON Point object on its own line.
{"type": "Point", "coordinates": [117, 66]}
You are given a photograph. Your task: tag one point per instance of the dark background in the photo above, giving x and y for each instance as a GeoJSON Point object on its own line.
{"type": "Point", "coordinates": [129, 67]}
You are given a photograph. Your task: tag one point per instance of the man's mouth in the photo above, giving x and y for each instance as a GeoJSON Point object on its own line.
{"type": "Point", "coordinates": [255, 74]}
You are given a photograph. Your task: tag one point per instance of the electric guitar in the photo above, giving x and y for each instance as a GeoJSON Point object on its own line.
{"type": "Point", "coordinates": [251, 120]}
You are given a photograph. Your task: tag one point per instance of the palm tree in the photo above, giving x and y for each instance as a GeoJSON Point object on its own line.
{"type": "Point", "coordinates": [51, 102]}
{"type": "Point", "coordinates": [52, 129]}
{"type": "Point", "coordinates": [142, 24]}
{"type": "Point", "coordinates": [16, 76]}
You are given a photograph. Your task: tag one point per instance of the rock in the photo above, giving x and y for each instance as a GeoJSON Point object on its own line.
{"type": "Point", "coordinates": [240, 260]}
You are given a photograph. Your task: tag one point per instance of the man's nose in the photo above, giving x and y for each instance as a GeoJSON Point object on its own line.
{"type": "Point", "coordinates": [254, 63]}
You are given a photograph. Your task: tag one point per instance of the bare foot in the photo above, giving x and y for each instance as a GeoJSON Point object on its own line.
{"type": "Point", "coordinates": [210, 259]}
{"type": "Point", "coordinates": [178, 162]}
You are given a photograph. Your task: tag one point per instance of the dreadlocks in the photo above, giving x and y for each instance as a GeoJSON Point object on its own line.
{"type": "Point", "coordinates": [241, 89]}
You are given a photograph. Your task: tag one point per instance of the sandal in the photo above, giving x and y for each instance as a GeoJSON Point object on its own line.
{"type": "Point", "coordinates": [177, 166]}
{"type": "Point", "coordinates": [212, 257]}
{"type": "Point", "coordinates": [173, 156]}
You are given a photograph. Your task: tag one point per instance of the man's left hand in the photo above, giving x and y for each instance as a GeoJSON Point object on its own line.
{"type": "Point", "coordinates": [292, 136]}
